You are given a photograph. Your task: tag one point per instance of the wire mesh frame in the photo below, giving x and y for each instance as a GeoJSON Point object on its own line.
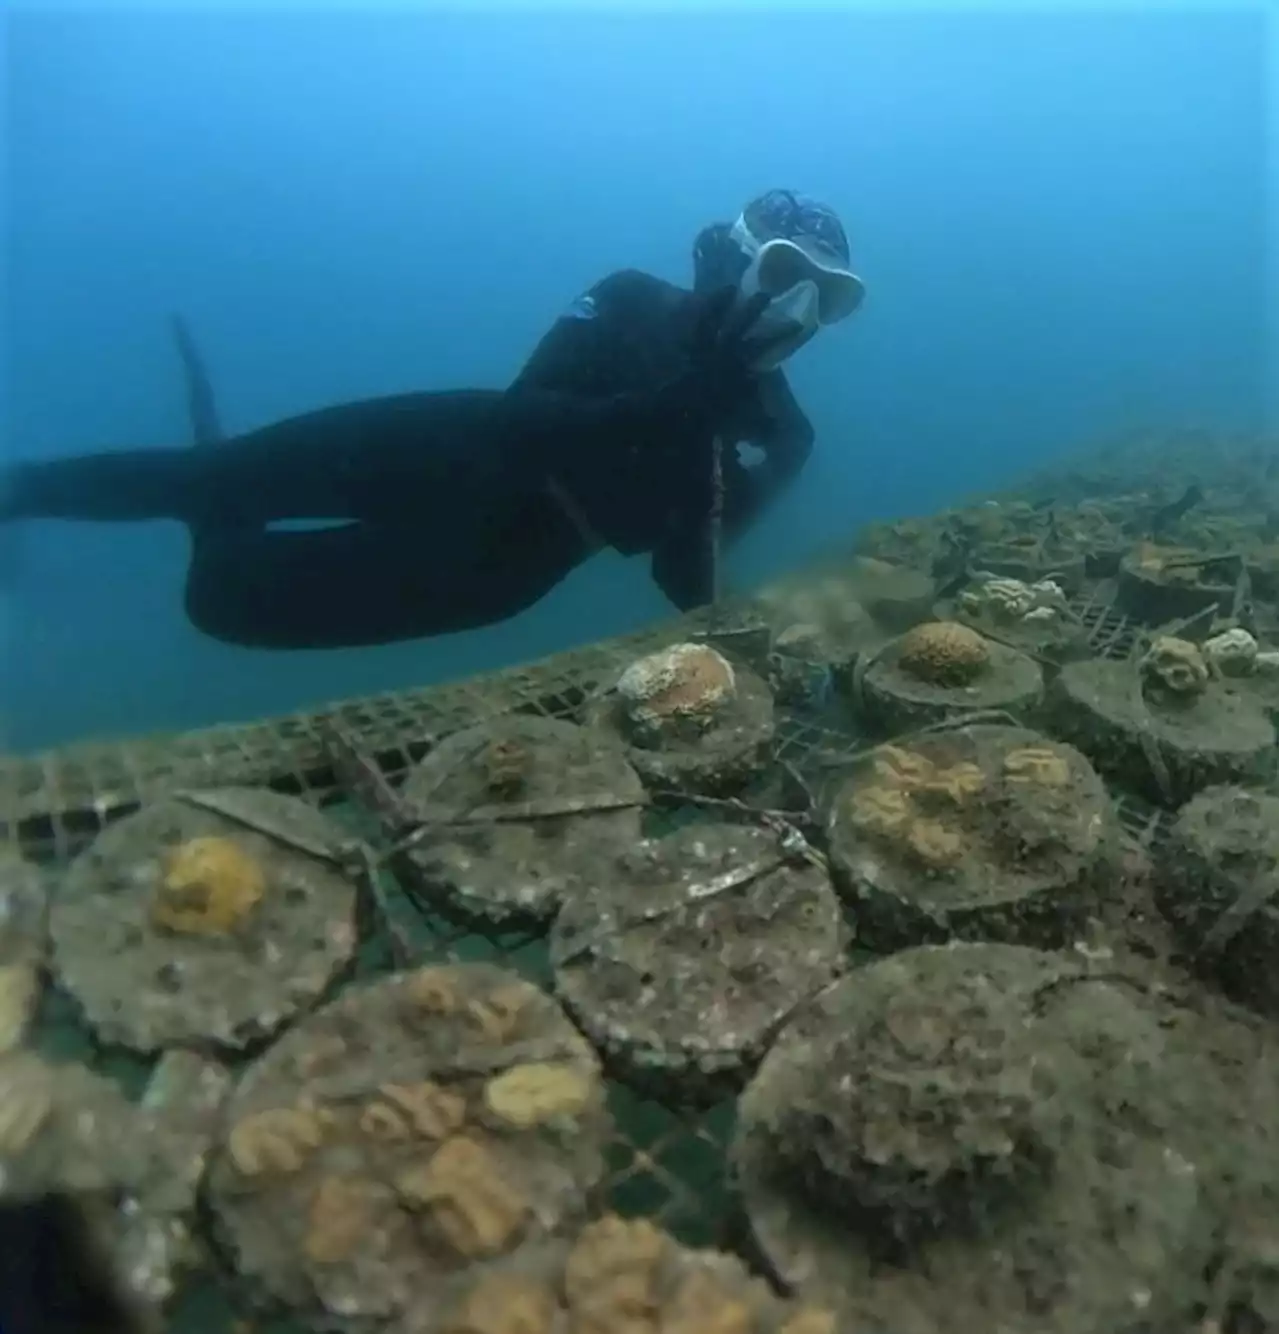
{"type": "Point", "coordinates": [53, 803]}
{"type": "Point", "coordinates": [1108, 630]}
{"type": "Point", "coordinates": [666, 1161]}
{"type": "Point", "coordinates": [663, 1160]}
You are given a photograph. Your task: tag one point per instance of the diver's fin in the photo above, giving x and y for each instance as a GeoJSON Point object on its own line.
{"type": "Point", "coordinates": [10, 533]}
{"type": "Point", "coordinates": [10, 557]}
{"type": "Point", "coordinates": [202, 407]}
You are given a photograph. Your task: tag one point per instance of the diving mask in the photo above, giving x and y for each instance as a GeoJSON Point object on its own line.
{"type": "Point", "coordinates": [797, 255]}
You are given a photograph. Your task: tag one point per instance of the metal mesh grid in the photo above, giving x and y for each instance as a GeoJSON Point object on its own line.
{"type": "Point", "coordinates": [1109, 632]}
{"type": "Point", "coordinates": [55, 802]}
{"type": "Point", "coordinates": [666, 1161]}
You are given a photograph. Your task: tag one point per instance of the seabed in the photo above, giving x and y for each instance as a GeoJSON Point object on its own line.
{"type": "Point", "coordinates": [1038, 730]}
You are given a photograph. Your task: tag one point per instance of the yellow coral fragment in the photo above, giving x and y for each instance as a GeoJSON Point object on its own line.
{"type": "Point", "coordinates": [1037, 764]}
{"type": "Point", "coordinates": [464, 1191]}
{"type": "Point", "coordinates": [433, 1112]}
{"type": "Point", "coordinates": [611, 1273]}
{"type": "Point", "coordinates": [702, 1306]}
{"type": "Point", "coordinates": [498, 1015]}
{"type": "Point", "coordinates": [810, 1320]}
{"type": "Point", "coordinates": [532, 1094]}
{"type": "Point", "coordinates": [209, 887]}
{"type": "Point", "coordinates": [342, 1214]}
{"type": "Point", "coordinates": [879, 809]}
{"type": "Point", "coordinates": [957, 783]}
{"type": "Point", "coordinates": [934, 844]}
{"type": "Point", "coordinates": [905, 768]}
{"type": "Point", "coordinates": [503, 1304]}
{"type": "Point", "coordinates": [506, 766]}
{"type": "Point", "coordinates": [432, 991]}
{"type": "Point", "coordinates": [277, 1141]}
{"type": "Point", "coordinates": [943, 653]}
{"type": "Point", "coordinates": [380, 1122]}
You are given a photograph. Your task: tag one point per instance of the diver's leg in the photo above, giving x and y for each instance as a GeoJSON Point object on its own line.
{"type": "Point", "coordinates": [248, 481]}
{"type": "Point", "coordinates": [444, 459]}
{"type": "Point", "coordinates": [129, 486]}
{"type": "Point", "coordinates": [362, 584]}
{"type": "Point", "coordinates": [119, 487]}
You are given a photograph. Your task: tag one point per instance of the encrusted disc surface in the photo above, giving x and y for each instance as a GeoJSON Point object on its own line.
{"type": "Point", "coordinates": [1223, 736]}
{"type": "Point", "coordinates": [1216, 884]}
{"type": "Point", "coordinates": [416, 1125]}
{"type": "Point", "coordinates": [213, 918]}
{"type": "Point", "coordinates": [981, 832]}
{"type": "Point", "coordinates": [734, 746]}
{"type": "Point", "coordinates": [24, 929]}
{"type": "Point", "coordinates": [544, 804]}
{"type": "Point", "coordinates": [692, 952]}
{"type": "Point", "coordinates": [1106, 1232]}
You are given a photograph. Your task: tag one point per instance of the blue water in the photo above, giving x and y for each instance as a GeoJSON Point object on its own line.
{"type": "Point", "coordinates": [1065, 221]}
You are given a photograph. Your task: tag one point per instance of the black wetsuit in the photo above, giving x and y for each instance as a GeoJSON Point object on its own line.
{"type": "Point", "coordinates": [460, 508]}
{"type": "Point", "coordinates": [54, 1275]}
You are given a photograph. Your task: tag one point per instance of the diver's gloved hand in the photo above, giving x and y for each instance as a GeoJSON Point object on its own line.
{"type": "Point", "coordinates": [723, 351]}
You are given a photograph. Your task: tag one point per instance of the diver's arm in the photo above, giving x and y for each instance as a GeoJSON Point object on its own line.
{"type": "Point", "coordinates": [683, 561]}
{"type": "Point", "coordinates": [776, 425]}
{"type": "Point", "coordinates": [569, 387]}
{"type": "Point", "coordinates": [122, 486]}
{"type": "Point", "coordinates": [585, 352]}
{"type": "Point", "coordinates": [683, 567]}
{"type": "Point", "coordinates": [574, 398]}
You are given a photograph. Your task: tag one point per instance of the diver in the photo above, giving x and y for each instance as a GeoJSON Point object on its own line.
{"type": "Point", "coordinates": [55, 1277]}
{"type": "Point", "coordinates": [449, 510]}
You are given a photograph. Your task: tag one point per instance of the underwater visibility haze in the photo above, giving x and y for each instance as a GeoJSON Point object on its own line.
{"type": "Point", "coordinates": [1065, 222]}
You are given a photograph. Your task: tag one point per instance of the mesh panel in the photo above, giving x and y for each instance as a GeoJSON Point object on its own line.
{"type": "Point", "coordinates": [667, 1161]}
{"type": "Point", "coordinates": [55, 802]}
